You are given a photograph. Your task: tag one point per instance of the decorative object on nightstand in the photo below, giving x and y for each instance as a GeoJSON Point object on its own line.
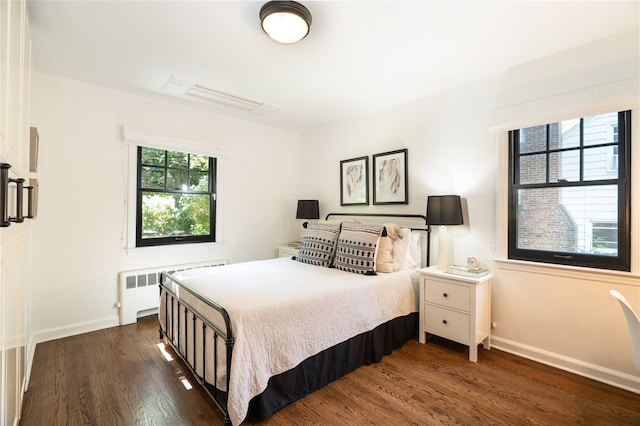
{"type": "Point", "coordinates": [456, 307]}
{"type": "Point", "coordinates": [443, 210]}
{"type": "Point", "coordinates": [471, 269]}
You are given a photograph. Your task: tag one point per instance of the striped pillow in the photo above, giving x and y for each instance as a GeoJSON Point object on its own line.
{"type": "Point", "coordinates": [357, 248]}
{"type": "Point", "coordinates": [319, 244]}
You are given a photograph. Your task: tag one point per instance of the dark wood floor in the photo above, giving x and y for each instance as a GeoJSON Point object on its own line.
{"type": "Point", "coordinates": [118, 376]}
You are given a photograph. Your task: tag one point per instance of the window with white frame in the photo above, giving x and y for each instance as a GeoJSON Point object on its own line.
{"type": "Point", "coordinates": [568, 203]}
{"type": "Point", "coordinates": [176, 197]}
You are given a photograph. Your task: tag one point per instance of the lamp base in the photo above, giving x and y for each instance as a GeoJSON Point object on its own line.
{"type": "Point", "coordinates": [443, 248]}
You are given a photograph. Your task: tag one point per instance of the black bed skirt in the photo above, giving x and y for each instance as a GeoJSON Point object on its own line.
{"type": "Point", "coordinates": [331, 364]}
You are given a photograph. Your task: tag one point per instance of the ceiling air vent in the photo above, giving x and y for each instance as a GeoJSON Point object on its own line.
{"type": "Point", "coordinates": [188, 89]}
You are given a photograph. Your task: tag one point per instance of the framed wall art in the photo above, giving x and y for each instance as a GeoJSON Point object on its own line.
{"type": "Point", "coordinates": [390, 178]}
{"type": "Point", "coordinates": [354, 181]}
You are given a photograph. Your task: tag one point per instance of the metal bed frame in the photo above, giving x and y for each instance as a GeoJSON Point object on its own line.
{"type": "Point", "coordinates": [177, 310]}
{"type": "Point", "coordinates": [427, 227]}
{"type": "Point", "coordinates": [173, 339]}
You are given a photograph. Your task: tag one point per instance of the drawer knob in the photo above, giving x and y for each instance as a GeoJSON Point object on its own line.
{"type": "Point", "coordinates": [444, 322]}
{"type": "Point", "coordinates": [445, 295]}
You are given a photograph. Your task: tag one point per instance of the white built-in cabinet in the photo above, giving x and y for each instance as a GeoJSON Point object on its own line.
{"type": "Point", "coordinates": [15, 249]}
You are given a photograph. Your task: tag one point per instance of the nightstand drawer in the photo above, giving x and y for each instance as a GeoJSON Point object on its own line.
{"type": "Point", "coordinates": [447, 294]}
{"type": "Point", "coordinates": [448, 324]}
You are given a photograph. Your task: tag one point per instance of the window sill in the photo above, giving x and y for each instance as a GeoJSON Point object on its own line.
{"type": "Point", "coordinates": [172, 247]}
{"type": "Point", "coordinates": [573, 272]}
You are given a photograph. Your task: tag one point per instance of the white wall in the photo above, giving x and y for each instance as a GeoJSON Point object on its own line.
{"type": "Point", "coordinates": [450, 151]}
{"type": "Point", "coordinates": [80, 233]}
{"type": "Point", "coordinates": [561, 316]}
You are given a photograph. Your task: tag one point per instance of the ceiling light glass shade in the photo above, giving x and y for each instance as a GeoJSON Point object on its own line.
{"type": "Point", "coordinates": [285, 21]}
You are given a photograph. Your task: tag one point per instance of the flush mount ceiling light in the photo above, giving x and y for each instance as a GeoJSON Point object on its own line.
{"type": "Point", "coordinates": [285, 21]}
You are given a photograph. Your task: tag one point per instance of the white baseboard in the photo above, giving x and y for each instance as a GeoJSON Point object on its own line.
{"type": "Point", "coordinates": [611, 377]}
{"type": "Point", "coordinates": [74, 329]}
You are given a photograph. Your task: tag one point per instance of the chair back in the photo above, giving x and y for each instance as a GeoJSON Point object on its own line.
{"type": "Point", "coordinates": [633, 321]}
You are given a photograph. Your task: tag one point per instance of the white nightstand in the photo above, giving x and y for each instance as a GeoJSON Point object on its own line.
{"type": "Point", "coordinates": [456, 307]}
{"type": "Point", "coordinates": [286, 251]}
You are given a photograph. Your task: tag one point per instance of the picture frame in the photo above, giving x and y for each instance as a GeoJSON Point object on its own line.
{"type": "Point", "coordinates": [354, 181]}
{"type": "Point", "coordinates": [391, 177]}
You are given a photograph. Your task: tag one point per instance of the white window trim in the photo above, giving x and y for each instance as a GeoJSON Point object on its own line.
{"type": "Point", "coordinates": [573, 272]}
{"type": "Point", "coordinates": [134, 139]}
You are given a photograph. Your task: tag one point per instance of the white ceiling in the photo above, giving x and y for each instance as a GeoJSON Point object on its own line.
{"type": "Point", "coordinates": [360, 56]}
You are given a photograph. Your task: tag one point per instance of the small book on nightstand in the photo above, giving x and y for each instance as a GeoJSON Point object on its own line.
{"type": "Point", "coordinates": [295, 244]}
{"type": "Point", "coordinates": [467, 271]}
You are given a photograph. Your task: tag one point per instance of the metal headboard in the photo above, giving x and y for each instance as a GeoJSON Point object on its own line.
{"type": "Point", "coordinates": [426, 227]}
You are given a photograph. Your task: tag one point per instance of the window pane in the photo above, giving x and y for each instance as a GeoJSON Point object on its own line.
{"type": "Point", "coordinates": [533, 139]}
{"type": "Point", "coordinates": [199, 181]}
{"type": "Point", "coordinates": [177, 179]}
{"type": "Point", "coordinates": [600, 129]}
{"type": "Point", "coordinates": [195, 210]}
{"type": "Point", "coordinates": [564, 165]}
{"type": "Point", "coordinates": [599, 163]}
{"type": "Point", "coordinates": [565, 134]}
{"type": "Point", "coordinates": [605, 237]}
{"type": "Point", "coordinates": [533, 169]}
{"type": "Point", "coordinates": [561, 219]}
{"type": "Point", "coordinates": [172, 215]}
{"type": "Point", "coordinates": [178, 160]}
{"type": "Point", "coordinates": [153, 177]}
{"type": "Point", "coordinates": [199, 162]}
{"type": "Point", "coordinates": [153, 157]}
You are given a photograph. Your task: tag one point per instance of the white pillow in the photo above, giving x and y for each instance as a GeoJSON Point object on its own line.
{"type": "Point", "coordinates": [412, 260]}
{"type": "Point", "coordinates": [406, 252]}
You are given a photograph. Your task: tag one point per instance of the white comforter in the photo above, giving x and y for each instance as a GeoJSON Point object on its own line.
{"type": "Point", "coordinates": [283, 312]}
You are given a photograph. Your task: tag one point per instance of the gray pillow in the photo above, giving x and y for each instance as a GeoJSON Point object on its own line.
{"type": "Point", "coordinates": [319, 244]}
{"type": "Point", "coordinates": [357, 248]}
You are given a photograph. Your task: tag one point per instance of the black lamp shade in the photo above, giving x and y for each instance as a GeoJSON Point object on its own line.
{"type": "Point", "coordinates": [444, 210]}
{"type": "Point", "coordinates": [308, 209]}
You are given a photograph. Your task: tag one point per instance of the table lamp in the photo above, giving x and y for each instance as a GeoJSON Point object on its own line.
{"type": "Point", "coordinates": [307, 209]}
{"type": "Point", "coordinates": [444, 210]}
